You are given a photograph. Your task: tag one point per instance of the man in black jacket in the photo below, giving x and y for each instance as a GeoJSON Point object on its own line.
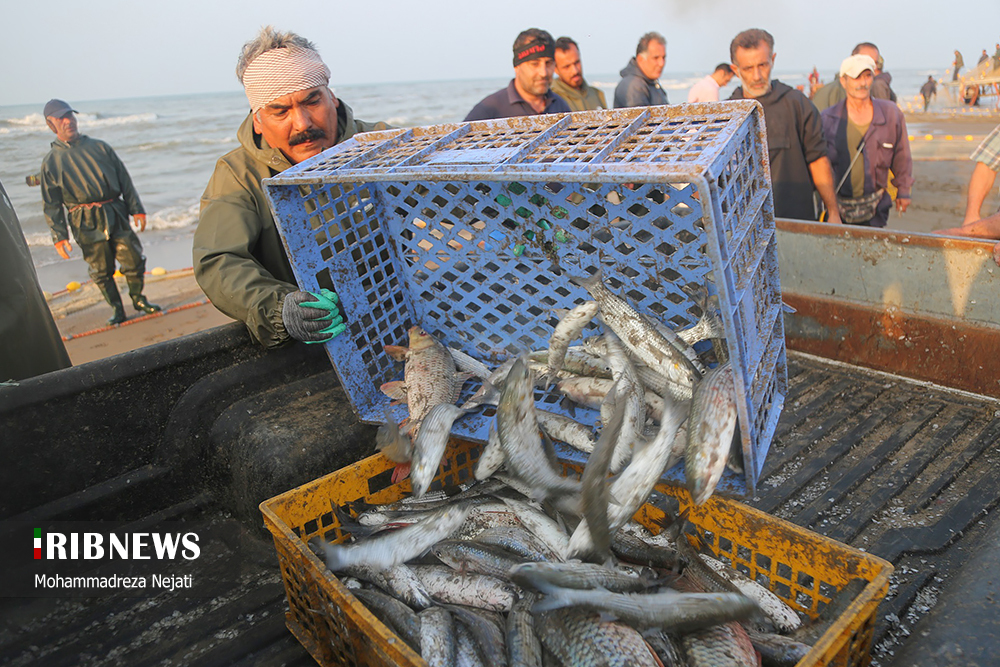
{"type": "Point", "coordinates": [795, 141]}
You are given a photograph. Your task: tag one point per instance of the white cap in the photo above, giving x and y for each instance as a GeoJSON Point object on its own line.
{"type": "Point", "coordinates": [854, 65]}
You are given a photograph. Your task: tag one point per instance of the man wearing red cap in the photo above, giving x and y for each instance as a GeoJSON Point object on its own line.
{"type": "Point", "coordinates": [85, 177]}
{"type": "Point", "coordinates": [530, 91]}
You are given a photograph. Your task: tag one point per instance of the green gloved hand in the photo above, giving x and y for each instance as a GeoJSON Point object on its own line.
{"type": "Point", "coordinates": [311, 317]}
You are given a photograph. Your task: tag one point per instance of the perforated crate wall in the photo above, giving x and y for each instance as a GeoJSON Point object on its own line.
{"type": "Point", "coordinates": [472, 230]}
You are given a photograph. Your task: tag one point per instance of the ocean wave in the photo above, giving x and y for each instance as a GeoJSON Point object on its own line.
{"type": "Point", "coordinates": [174, 217]}
{"type": "Point", "coordinates": [35, 122]}
{"type": "Point", "coordinates": [186, 141]}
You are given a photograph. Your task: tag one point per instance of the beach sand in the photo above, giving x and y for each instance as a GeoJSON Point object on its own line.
{"type": "Point", "coordinates": [941, 169]}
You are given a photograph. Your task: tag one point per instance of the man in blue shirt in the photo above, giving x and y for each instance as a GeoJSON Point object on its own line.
{"type": "Point", "coordinates": [529, 92]}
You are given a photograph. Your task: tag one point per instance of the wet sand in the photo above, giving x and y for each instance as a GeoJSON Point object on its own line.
{"type": "Point", "coordinates": [941, 168]}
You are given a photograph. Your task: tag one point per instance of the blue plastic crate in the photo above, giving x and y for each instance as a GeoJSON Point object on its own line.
{"type": "Point", "coordinates": [471, 231]}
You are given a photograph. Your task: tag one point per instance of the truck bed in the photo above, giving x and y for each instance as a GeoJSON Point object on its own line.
{"type": "Point", "coordinates": [900, 468]}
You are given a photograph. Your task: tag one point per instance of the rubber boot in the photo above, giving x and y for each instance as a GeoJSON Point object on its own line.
{"type": "Point", "coordinates": [138, 300]}
{"type": "Point", "coordinates": [110, 291]}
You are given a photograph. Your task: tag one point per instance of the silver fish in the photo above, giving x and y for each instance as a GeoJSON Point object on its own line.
{"type": "Point", "coordinates": [429, 376]}
{"type": "Point", "coordinates": [566, 331]}
{"type": "Point", "coordinates": [594, 480]}
{"type": "Point", "coordinates": [437, 637]}
{"type": "Point", "coordinates": [668, 610]}
{"type": "Point", "coordinates": [581, 639]}
{"type": "Point", "coordinates": [489, 392]}
{"type": "Point", "coordinates": [577, 575]}
{"type": "Point", "coordinates": [467, 652]}
{"type": "Point", "coordinates": [666, 355]}
{"type": "Point", "coordinates": [567, 430]}
{"type": "Point", "coordinates": [468, 556]}
{"type": "Point", "coordinates": [633, 486]}
{"type": "Point", "coordinates": [783, 616]}
{"type": "Point", "coordinates": [630, 393]}
{"type": "Point", "coordinates": [485, 630]}
{"type": "Point", "coordinates": [710, 432]}
{"type": "Point", "coordinates": [398, 546]}
{"type": "Point", "coordinates": [518, 430]}
{"type": "Point", "coordinates": [429, 447]}
{"type": "Point", "coordinates": [726, 645]}
{"type": "Point", "coordinates": [523, 646]}
{"type": "Point", "coordinates": [590, 392]}
{"type": "Point", "coordinates": [539, 523]}
{"type": "Point", "coordinates": [519, 541]}
{"type": "Point", "coordinates": [397, 616]}
{"type": "Point", "coordinates": [492, 457]}
{"type": "Point", "coordinates": [473, 590]}
{"type": "Point", "coordinates": [577, 360]}
{"type": "Point", "coordinates": [467, 364]}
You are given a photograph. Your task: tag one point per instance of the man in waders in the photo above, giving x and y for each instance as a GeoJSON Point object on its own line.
{"type": "Point", "coordinates": [86, 177]}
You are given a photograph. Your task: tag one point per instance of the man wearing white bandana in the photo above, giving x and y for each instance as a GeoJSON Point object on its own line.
{"type": "Point", "coordinates": [239, 260]}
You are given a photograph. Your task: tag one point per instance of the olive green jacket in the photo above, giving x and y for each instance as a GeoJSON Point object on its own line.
{"type": "Point", "coordinates": [587, 98]}
{"type": "Point", "coordinates": [86, 171]}
{"type": "Point", "coordinates": [239, 260]}
{"type": "Point", "coordinates": [30, 343]}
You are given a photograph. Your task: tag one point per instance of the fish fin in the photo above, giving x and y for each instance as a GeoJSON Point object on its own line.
{"type": "Point", "coordinates": [568, 405]}
{"type": "Point", "coordinates": [460, 379]}
{"type": "Point", "coordinates": [397, 352]}
{"type": "Point", "coordinates": [606, 617]}
{"type": "Point", "coordinates": [588, 282]}
{"type": "Point", "coordinates": [396, 390]}
{"type": "Point", "coordinates": [400, 472]}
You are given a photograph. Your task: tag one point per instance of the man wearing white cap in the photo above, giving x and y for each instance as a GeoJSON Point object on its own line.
{"type": "Point", "coordinates": [239, 260]}
{"type": "Point", "coordinates": [865, 138]}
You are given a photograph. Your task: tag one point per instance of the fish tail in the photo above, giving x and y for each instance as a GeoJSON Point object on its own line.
{"type": "Point", "coordinates": [554, 599]}
{"type": "Point", "coordinates": [335, 559]}
{"type": "Point", "coordinates": [589, 282]}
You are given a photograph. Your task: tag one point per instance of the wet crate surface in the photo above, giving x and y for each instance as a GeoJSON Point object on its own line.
{"type": "Point", "coordinates": [801, 567]}
{"type": "Point", "coordinates": [472, 230]}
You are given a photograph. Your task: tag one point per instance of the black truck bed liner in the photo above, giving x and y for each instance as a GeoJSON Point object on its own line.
{"type": "Point", "coordinates": [902, 469]}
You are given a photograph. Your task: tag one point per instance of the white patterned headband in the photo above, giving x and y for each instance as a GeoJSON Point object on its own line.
{"type": "Point", "coordinates": [283, 71]}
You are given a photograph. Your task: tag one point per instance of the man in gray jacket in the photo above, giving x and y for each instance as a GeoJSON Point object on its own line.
{"type": "Point", "coordinates": [639, 86]}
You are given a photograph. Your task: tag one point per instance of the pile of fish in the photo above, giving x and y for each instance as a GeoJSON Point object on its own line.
{"type": "Point", "coordinates": [484, 576]}
{"type": "Point", "coordinates": [528, 566]}
{"type": "Point", "coordinates": [674, 407]}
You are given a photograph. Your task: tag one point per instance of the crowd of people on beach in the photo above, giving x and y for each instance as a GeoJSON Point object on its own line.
{"type": "Point", "coordinates": [842, 156]}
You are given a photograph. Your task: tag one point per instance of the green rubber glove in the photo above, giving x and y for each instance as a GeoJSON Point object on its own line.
{"type": "Point", "coordinates": [311, 317]}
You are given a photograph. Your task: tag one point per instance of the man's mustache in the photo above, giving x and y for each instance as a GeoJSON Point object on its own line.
{"type": "Point", "coordinates": [311, 134]}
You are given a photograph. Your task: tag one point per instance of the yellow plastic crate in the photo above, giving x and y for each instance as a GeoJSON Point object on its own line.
{"type": "Point", "coordinates": [801, 567]}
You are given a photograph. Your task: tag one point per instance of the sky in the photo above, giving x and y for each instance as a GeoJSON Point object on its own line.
{"type": "Point", "coordinates": [111, 49]}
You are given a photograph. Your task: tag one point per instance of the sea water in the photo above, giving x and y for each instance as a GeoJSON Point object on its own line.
{"type": "Point", "coordinates": [170, 146]}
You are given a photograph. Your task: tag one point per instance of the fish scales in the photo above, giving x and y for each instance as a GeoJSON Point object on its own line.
{"type": "Point", "coordinates": [467, 649]}
{"type": "Point", "coordinates": [430, 376]}
{"type": "Point", "coordinates": [399, 546]}
{"type": "Point", "coordinates": [486, 631]}
{"type": "Point", "coordinates": [518, 541]}
{"type": "Point", "coordinates": [726, 645]}
{"type": "Point", "coordinates": [669, 610]}
{"type": "Point", "coordinates": [710, 432]}
{"type": "Point", "coordinates": [578, 575]}
{"type": "Point", "coordinates": [397, 616]}
{"type": "Point", "coordinates": [472, 590]}
{"type": "Point", "coordinates": [783, 616]}
{"type": "Point", "coordinates": [581, 639]}
{"type": "Point", "coordinates": [639, 335]}
{"type": "Point", "coordinates": [438, 644]}
{"type": "Point", "coordinates": [566, 331]}
{"type": "Point", "coordinates": [524, 649]}
{"type": "Point", "coordinates": [468, 556]}
{"type": "Point", "coordinates": [590, 392]}
{"type": "Point", "coordinates": [567, 430]}
{"type": "Point", "coordinates": [519, 437]}
{"type": "Point", "coordinates": [430, 445]}
{"type": "Point", "coordinates": [629, 392]}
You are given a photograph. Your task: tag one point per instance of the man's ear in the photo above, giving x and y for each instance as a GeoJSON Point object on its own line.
{"type": "Point", "coordinates": [256, 122]}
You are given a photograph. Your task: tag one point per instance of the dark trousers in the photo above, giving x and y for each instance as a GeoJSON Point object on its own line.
{"type": "Point", "coordinates": [123, 246]}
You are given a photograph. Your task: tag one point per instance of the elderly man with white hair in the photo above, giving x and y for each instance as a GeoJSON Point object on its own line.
{"type": "Point", "coordinates": [239, 260]}
{"type": "Point", "coordinates": [865, 138]}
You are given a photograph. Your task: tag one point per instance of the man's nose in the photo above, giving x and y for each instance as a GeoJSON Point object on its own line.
{"type": "Point", "coordinates": [301, 120]}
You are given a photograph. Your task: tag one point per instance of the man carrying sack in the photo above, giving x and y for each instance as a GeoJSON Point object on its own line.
{"type": "Point", "coordinates": [865, 138]}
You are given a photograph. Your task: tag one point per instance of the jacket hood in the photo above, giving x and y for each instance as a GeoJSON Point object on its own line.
{"type": "Point", "coordinates": [258, 148]}
{"type": "Point", "coordinates": [632, 69]}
